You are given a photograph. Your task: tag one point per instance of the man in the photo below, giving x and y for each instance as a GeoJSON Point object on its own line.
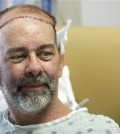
{"type": "Point", "coordinates": [30, 65]}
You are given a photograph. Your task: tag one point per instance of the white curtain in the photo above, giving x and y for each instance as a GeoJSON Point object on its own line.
{"type": "Point", "coordinates": [7, 3]}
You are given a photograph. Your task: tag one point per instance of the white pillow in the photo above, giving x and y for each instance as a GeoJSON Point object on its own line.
{"type": "Point", "coordinates": [65, 92]}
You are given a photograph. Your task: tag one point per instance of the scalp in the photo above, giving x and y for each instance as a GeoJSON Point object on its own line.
{"type": "Point", "coordinates": [21, 10]}
{"type": "Point", "coordinates": [26, 11]}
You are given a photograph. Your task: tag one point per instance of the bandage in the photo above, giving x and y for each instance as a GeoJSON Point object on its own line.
{"type": "Point", "coordinates": [62, 37]}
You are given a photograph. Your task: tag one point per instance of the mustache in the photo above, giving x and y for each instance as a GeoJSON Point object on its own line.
{"type": "Point", "coordinates": [30, 79]}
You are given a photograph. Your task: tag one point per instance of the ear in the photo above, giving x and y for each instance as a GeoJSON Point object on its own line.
{"type": "Point", "coordinates": [61, 65]}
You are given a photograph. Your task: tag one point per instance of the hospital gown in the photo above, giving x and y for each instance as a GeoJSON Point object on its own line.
{"type": "Point", "coordinates": [77, 122]}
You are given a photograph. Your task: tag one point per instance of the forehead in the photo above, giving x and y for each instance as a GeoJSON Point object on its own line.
{"type": "Point", "coordinates": [27, 30]}
{"type": "Point", "coordinates": [26, 24]}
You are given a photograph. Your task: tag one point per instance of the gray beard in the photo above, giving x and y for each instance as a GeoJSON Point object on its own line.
{"type": "Point", "coordinates": [30, 101]}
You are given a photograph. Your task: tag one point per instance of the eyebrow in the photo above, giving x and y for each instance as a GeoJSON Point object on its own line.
{"type": "Point", "coordinates": [45, 46]}
{"type": "Point", "coordinates": [15, 50]}
{"type": "Point", "coordinates": [24, 49]}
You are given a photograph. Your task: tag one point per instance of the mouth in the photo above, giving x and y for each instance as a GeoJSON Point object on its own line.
{"type": "Point", "coordinates": [33, 87]}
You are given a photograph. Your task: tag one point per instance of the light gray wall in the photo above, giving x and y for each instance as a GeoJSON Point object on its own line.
{"type": "Point", "coordinates": [64, 9]}
{"type": "Point", "coordinates": [88, 12]}
{"type": "Point", "coordinates": [100, 13]}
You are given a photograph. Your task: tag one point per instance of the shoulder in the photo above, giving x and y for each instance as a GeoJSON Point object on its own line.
{"type": "Point", "coordinates": [98, 123]}
{"type": "Point", "coordinates": [104, 123]}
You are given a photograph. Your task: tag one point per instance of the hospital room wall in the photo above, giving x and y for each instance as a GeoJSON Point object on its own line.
{"type": "Point", "coordinates": [88, 12]}
{"type": "Point", "coordinates": [93, 57]}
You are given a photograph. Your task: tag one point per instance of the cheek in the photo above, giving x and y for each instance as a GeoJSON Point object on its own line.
{"type": "Point", "coordinates": [17, 70]}
{"type": "Point", "coordinates": [52, 68]}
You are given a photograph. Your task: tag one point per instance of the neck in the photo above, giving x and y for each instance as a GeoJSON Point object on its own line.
{"type": "Point", "coordinates": [54, 111]}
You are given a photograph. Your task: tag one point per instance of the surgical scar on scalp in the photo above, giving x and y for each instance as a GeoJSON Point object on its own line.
{"type": "Point", "coordinates": [23, 17]}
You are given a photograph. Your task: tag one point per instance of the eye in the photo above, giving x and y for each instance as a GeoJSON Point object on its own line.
{"type": "Point", "coordinates": [46, 55]}
{"type": "Point", "coordinates": [17, 58]}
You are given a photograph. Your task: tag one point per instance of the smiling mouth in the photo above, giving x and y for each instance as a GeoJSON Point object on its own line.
{"type": "Point", "coordinates": [33, 87]}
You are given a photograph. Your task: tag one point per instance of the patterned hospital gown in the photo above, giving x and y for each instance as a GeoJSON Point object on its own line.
{"type": "Point", "coordinates": [77, 122]}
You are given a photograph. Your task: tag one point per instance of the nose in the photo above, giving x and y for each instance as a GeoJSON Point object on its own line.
{"type": "Point", "coordinates": [33, 65]}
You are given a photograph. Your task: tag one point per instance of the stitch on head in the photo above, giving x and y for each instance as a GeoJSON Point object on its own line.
{"type": "Point", "coordinates": [47, 22]}
{"type": "Point", "coordinates": [26, 11]}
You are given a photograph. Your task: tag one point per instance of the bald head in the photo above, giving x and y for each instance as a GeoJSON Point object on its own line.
{"type": "Point", "coordinates": [26, 12]}
{"type": "Point", "coordinates": [23, 11]}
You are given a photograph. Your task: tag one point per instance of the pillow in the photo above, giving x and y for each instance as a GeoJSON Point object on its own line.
{"type": "Point", "coordinates": [65, 92]}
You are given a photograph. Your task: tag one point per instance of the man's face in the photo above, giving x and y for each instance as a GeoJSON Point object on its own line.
{"type": "Point", "coordinates": [30, 64]}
